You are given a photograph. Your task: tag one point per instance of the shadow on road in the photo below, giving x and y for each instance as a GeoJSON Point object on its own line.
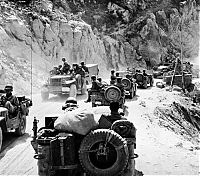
{"type": "Point", "coordinates": [63, 98]}
{"type": "Point", "coordinates": [10, 140]}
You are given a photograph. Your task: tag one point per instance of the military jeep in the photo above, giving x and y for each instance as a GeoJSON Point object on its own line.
{"type": "Point", "coordinates": [143, 81]}
{"type": "Point", "coordinates": [15, 121]}
{"type": "Point", "coordinates": [101, 152]}
{"type": "Point", "coordinates": [107, 95]}
{"type": "Point", "coordinates": [158, 73]}
{"type": "Point", "coordinates": [130, 85]}
{"type": "Point", "coordinates": [63, 84]}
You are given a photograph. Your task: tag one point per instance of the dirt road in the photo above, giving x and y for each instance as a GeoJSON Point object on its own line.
{"type": "Point", "coordinates": [161, 152]}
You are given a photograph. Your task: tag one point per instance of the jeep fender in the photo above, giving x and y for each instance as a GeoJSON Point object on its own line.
{"type": "Point", "coordinates": [3, 124]}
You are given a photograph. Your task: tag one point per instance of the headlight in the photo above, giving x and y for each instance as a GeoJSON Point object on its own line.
{"type": "Point", "coordinates": [63, 81]}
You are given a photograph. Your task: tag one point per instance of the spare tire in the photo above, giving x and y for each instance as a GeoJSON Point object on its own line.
{"type": "Point", "coordinates": [127, 83]}
{"type": "Point", "coordinates": [99, 162]}
{"type": "Point", "coordinates": [140, 77]}
{"type": "Point", "coordinates": [112, 93]}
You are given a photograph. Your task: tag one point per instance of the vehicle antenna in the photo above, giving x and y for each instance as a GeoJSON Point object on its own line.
{"type": "Point", "coordinates": [31, 58]}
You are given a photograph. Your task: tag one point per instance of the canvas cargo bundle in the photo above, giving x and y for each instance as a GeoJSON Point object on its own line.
{"type": "Point", "coordinates": [80, 121]}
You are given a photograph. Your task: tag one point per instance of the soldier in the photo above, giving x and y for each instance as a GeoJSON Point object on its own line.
{"type": "Point", "coordinates": [95, 86]}
{"type": "Point", "coordinates": [72, 74]}
{"type": "Point", "coordinates": [80, 74]}
{"type": "Point", "coordinates": [120, 85]}
{"type": "Point", "coordinates": [60, 69]}
{"type": "Point", "coordinates": [55, 71]}
{"type": "Point", "coordinates": [144, 73]}
{"type": "Point", "coordinates": [112, 77]}
{"type": "Point", "coordinates": [99, 79]}
{"type": "Point", "coordinates": [65, 68]}
{"type": "Point", "coordinates": [83, 66]}
{"type": "Point", "coordinates": [70, 104]}
{"type": "Point", "coordinates": [135, 75]}
{"type": "Point", "coordinates": [10, 101]}
{"type": "Point", "coordinates": [106, 121]}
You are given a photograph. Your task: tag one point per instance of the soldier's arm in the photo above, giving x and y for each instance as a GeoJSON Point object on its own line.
{"type": "Point", "coordinates": [16, 101]}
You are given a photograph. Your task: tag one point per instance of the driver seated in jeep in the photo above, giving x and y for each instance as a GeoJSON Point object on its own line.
{"type": "Point", "coordinates": [144, 73]}
{"type": "Point", "coordinates": [10, 101]}
{"type": "Point", "coordinates": [106, 121]}
{"type": "Point", "coordinates": [120, 85]}
{"type": "Point", "coordinates": [95, 87]}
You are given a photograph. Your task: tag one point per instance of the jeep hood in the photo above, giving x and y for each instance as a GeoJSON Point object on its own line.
{"type": "Point", "coordinates": [2, 109]}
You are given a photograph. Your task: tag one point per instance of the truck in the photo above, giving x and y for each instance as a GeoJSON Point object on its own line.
{"type": "Point", "coordinates": [101, 152]}
{"type": "Point", "coordinates": [93, 70]}
{"type": "Point", "coordinates": [66, 84]}
{"type": "Point", "coordinates": [14, 122]}
{"type": "Point", "coordinates": [158, 73]}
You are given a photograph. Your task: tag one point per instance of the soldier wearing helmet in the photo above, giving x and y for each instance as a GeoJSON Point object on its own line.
{"type": "Point", "coordinates": [10, 101]}
{"type": "Point", "coordinates": [106, 121]}
{"type": "Point", "coordinates": [70, 104]}
{"type": "Point", "coordinates": [120, 85]}
{"type": "Point", "coordinates": [55, 71]}
{"type": "Point", "coordinates": [144, 73]}
{"type": "Point", "coordinates": [65, 68]}
{"type": "Point", "coordinates": [79, 74]}
{"type": "Point", "coordinates": [83, 66]}
{"type": "Point", "coordinates": [95, 87]}
{"type": "Point", "coordinates": [112, 77]}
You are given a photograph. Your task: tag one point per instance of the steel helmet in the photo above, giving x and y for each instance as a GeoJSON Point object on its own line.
{"type": "Point", "coordinates": [71, 100]}
{"type": "Point", "coordinates": [8, 87]}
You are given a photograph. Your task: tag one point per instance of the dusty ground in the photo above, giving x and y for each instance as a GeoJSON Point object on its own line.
{"type": "Point", "coordinates": [161, 151]}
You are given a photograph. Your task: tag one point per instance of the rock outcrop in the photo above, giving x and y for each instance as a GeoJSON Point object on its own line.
{"type": "Point", "coordinates": [114, 34]}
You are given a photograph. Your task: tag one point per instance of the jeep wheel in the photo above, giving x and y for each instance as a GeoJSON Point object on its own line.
{"type": "Point", "coordinates": [73, 91]}
{"type": "Point", "coordinates": [45, 96]}
{"type": "Point", "coordinates": [1, 138]}
{"type": "Point", "coordinates": [112, 93]}
{"type": "Point", "coordinates": [127, 83]}
{"type": "Point", "coordinates": [151, 82]}
{"type": "Point", "coordinates": [103, 153]}
{"type": "Point", "coordinates": [22, 127]}
{"type": "Point", "coordinates": [135, 90]}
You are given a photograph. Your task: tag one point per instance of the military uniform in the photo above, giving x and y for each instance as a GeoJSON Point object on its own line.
{"type": "Point", "coordinates": [112, 78]}
{"type": "Point", "coordinates": [120, 85]}
{"type": "Point", "coordinates": [10, 101]}
{"type": "Point", "coordinates": [95, 86]}
{"type": "Point", "coordinates": [66, 68]}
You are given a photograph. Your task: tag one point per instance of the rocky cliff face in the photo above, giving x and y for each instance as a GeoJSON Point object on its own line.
{"type": "Point", "coordinates": [114, 34]}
